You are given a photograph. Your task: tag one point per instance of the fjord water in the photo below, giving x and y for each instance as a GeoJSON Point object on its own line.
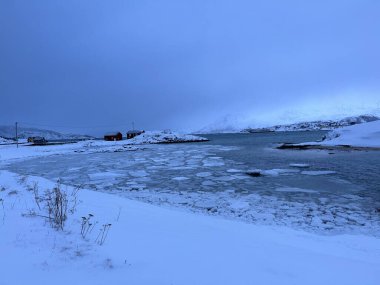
{"type": "Point", "coordinates": [211, 177]}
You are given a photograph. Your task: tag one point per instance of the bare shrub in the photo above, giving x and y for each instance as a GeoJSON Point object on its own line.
{"type": "Point", "coordinates": [87, 225]}
{"type": "Point", "coordinates": [57, 203]}
{"type": "Point", "coordinates": [103, 233]}
{"type": "Point", "coordinates": [74, 199]}
{"type": "Point", "coordinates": [37, 198]}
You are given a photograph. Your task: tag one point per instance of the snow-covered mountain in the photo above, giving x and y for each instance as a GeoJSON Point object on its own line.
{"type": "Point", "coordinates": [316, 125]}
{"type": "Point", "coordinates": [5, 141]}
{"type": "Point", "coordinates": [24, 133]}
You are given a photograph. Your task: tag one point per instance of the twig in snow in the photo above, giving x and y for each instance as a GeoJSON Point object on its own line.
{"type": "Point", "coordinates": [103, 233]}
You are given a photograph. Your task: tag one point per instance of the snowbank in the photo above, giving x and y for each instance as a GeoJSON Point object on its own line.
{"type": "Point", "coordinates": [5, 141]}
{"type": "Point", "coordinates": [363, 135]}
{"type": "Point", "coordinates": [151, 245]}
{"type": "Point", "coordinates": [366, 135]}
{"type": "Point", "coordinates": [152, 137]}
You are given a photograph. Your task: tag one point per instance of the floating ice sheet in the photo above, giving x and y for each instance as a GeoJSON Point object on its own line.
{"type": "Point", "coordinates": [294, 189]}
{"type": "Point", "coordinates": [318, 172]}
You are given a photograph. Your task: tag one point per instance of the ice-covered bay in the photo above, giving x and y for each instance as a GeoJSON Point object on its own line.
{"type": "Point", "coordinates": [338, 192]}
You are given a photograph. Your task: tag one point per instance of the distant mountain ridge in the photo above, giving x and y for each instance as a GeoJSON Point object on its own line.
{"type": "Point", "coordinates": [315, 125]}
{"type": "Point", "coordinates": [23, 133]}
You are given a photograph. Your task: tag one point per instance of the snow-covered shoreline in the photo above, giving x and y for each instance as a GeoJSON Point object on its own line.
{"type": "Point", "coordinates": [10, 151]}
{"type": "Point", "coordinates": [365, 136]}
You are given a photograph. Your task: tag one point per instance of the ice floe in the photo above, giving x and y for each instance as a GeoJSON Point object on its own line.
{"type": "Point", "coordinates": [180, 178]}
{"type": "Point", "coordinates": [204, 174]}
{"type": "Point", "coordinates": [138, 173]}
{"type": "Point", "coordinates": [294, 189]}
{"type": "Point", "coordinates": [318, 172]}
{"type": "Point", "coordinates": [299, 165]}
{"type": "Point", "coordinates": [212, 162]}
{"type": "Point", "coordinates": [232, 170]}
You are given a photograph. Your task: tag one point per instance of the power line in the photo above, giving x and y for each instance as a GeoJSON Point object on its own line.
{"type": "Point", "coordinates": [16, 134]}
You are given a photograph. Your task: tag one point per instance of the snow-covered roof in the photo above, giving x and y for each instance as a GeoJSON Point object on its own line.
{"type": "Point", "coordinates": [112, 133]}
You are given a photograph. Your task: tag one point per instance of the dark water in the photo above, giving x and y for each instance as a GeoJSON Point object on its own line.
{"type": "Point", "coordinates": [360, 168]}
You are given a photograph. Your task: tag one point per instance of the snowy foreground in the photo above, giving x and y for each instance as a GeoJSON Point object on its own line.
{"type": "Point", "coordinates": [147, 244]}
{"type": "Point", "coordinates": [151, 245]}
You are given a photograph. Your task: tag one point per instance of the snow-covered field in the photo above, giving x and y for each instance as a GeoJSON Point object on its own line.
{"type": "Point", "coordinates": [147, 244]}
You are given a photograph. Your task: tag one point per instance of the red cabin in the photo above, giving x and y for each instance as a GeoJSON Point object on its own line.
{"type": "Point", "coordinates": [116, 136]}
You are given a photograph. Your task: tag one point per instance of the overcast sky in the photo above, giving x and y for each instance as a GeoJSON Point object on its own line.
{"type": "Point", "coordinates": [92, 66]}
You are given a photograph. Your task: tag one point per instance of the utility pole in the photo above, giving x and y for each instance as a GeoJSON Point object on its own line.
{"type": "Point", "coordinates": [133, 126]}
{"type": "Point", "coordinates": [16, 135]}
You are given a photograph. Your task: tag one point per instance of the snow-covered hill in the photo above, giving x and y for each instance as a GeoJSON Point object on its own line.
{"type": "Point", "coordinates": [5, 141]}
{"type": "Point", "coordinates": [359, 136]}
{"type": "Point", "coordinates": [365, 135]}
{"type": "Point", "coordinates": [24, 133]}
{"type": "Point", "coordinates": [316, 125]}
{"type": "Point", "coordinates": [152, 137]}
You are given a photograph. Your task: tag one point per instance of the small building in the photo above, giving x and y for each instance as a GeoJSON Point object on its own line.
{"type": "Point", "coordinates": [115, 136]}
{"type": "Point", "coordinates": [131, 134]}
{"type": "Point", "coordinates": [39, 141]}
